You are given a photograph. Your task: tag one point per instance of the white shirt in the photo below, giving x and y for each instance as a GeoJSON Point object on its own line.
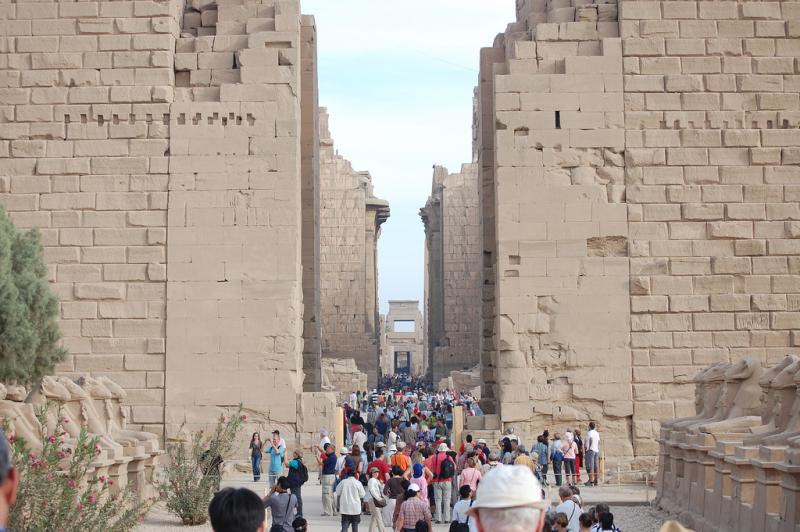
{"type": "Point", "coordinates": [340, 463]}
{"type": "Point", "coordinates": [375, 489]}
{"type": "Point", "coordinates": [593, 441]}
{"type": "Point", "coordinates": [323, 441]}
{"type": "Point", "coordinates": [596, 528]}
{"type": "Point", "coordinates": [350, 493]}
{"type": "Point", "coordinates": [573, 513]}
{"type": "Point", "coordinates": [460, 511]}
{"type": "Point", "coordinates": [359, 438]}
{"type": "Point", "coordinates": [393, 441]}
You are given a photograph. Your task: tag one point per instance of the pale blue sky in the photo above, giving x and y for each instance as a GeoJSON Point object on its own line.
{"type": "Point", "coordinates": [397, 78]}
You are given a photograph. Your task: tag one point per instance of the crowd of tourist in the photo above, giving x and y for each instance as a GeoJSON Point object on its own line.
{"type": "Point", "coordinates": [400, 468]}
{"type": "Point", "coordinates": [399, 464]}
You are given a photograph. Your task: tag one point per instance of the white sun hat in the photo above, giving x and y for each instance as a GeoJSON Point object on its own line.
{"type": "Point", "coordinates": [509, 487]}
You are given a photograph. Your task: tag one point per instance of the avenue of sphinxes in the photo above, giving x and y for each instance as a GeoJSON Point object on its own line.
{"type": "Point", "coordinates": [735, 464]}
{"type": "Point", "coordinates": [638, 213]}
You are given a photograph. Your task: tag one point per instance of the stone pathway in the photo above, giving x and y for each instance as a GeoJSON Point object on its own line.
{"type": "Point", "coordinates": [627, 504]}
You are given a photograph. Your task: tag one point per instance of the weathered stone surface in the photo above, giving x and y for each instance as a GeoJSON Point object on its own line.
{"type": "Point", "coordinates": [175, 182]}
{"type": "Point", "coordinates": [453, 269]}
{"type": "Point", "coordinates": [635, 184]}
{"type": "Point", "coordinates": [350, 219]}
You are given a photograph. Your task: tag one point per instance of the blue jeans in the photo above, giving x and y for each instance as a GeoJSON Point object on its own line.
{"type": "Point", "coordinates": [255, 460]}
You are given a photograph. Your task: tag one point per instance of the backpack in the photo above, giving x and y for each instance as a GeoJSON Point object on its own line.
{"type": "Point", "coordinates": [303, 471]}
{"type": "Point", "coordinates": [446, 469]}
{"type": "Point", "coordinates": [558, 456]}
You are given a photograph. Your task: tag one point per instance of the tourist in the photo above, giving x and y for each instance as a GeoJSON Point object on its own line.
{"type": "Point", "coordinates": [323, 440]}
{"type": "Point", "coordinates": [359, 466]}
{"type": "Point", "coordinates": [359, 439]}
{"type": "Point", "coordinates": [470, 475]}
{"type": "Point", "coordinates": [569, 449]}
{"type": "Point", "coordinates": [277, 453]}
{"type": "Point", "coordinates": [543, 452]}
{"type": "Point", "coordinates": [492, 463]}
{"type": "Point", "coordinates": [443, 468]}
{"type": "Point", "coordinates": [509, 499]}
{"type": "Point", "coordinates": [392, 439]}
{"type": "Point", "coordinates": [579, 458]}
{"type": "Point", "coordinates": [557, 458]}
{"type": "Point", "coordinates": [595, 513]}
{"type": "Point", "coordinates": [327, 465]}
{"type": "Point", "coordinates": [399, 501]}
{"type": "Point", "coordinates": [281, 504]}
{"type": "Point", "coordinates": [481, 451]}
{"type": "Point", "coordinates": [415, 508]}
{"type": "Point", "coordinates": [394, 489]}
{"type": "Point", "coordinates": [592, 454]}
{"type": "Point", "coordinates": [569, 508]}
{"type": "Point", "coordinates": [256, 451]}
{"type": "Point", "coordinates": [401, 458]}
{"type": "Point", "coordinates": [349, 494]}
{"type": "Point", "coordinates": [560, 523]}
{"type": "Point", "coordinates": [344, 453]}
{"type": "Point", "coordinates": [9, 482]}
{"type": "Point", "coordinates": [381, 464]}
{"type": "Point", "coordinates": [523, 459]}
{"type": "Point", "coordinates": [356, 421]}
{"type": "Point", "coordinates": [585, 521]}
{"type": "Point", "coordinates": [507, 455]}
{"type": "Point", "coordinates": [212, 467]}
{"type": "Point", "coordinates": [297, 476]}
{"type": "Point", "coordinates": [231, 510]}
{"type": "Point", "coordinates": [375, 499]}
{"type": "Point", "coordinates": [420, 478]}
{"type": "Point", "coordinates": [382, 426]}
{"type": "Point", "coordinates": [606, 522]}
{"type": "Point", "coordinates": [300, 524]}
{"type": "Point", "coordinates": [461, 509]}
{"type": "Point", "coordinates": [410, 432]}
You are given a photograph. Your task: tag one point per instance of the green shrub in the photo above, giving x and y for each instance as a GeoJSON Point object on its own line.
{"type": "Point", "coordinates": [191, 475]}
{"type": "Point", "coordinates": [57, 490]}
{"type": "Point", "coordinates": [29, 333]}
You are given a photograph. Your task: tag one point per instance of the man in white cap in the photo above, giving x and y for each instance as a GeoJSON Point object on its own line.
{"type": "Point", "coordinates": [444, 469]}
{"type": "Point", "coordinates": [509, 499]}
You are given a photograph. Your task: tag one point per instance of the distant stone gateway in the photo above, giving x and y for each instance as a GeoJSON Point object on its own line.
{"type": "Point", "coordinates": [631, 214]}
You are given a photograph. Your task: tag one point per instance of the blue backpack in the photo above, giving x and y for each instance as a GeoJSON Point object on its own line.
{"type": "Point", "coordinates": [557, 455]}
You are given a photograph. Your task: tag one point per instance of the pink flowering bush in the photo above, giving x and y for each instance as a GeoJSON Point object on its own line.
{"type": "Point", "coordinates": [59, 491]}
{"type": "Point", "coordinates": [193, 470]}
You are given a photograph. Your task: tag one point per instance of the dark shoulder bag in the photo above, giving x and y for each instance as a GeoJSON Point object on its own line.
{"type": "Point", "coordinates": [455, 526]}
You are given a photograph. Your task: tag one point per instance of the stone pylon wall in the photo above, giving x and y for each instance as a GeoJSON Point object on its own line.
{"type": "Point", "coordinates": [453, 277]}
{"type": "Point", "coordinates": [86, 91]}
{"type": "Point", "coordinates": [711, 114]}
{"type": "Point", "coordinates": [643, 188]}
{"type": "Point", "coordinates": [350, 218]}
{"type": "Point", "coordinates": [157, 146]}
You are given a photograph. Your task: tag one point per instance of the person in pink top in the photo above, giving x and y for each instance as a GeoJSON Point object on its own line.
{"type": "Point", "coordinates": [570, 450]}
{"type": "Point", "coordinates": [418, 478]}
{"type": "Point", "coordinates": [470, 476]}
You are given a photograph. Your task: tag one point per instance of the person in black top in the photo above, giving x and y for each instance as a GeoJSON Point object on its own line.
{"type": "Point", "coordinates": [297, 476]}
{"type": "Point", "coordinates": [211, 467]}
